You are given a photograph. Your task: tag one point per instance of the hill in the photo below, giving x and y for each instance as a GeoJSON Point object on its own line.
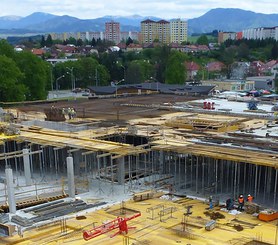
{"type": "Point", "coordinates": [215, 19]}
{"type": "Point", "coordinates": [234, 20]}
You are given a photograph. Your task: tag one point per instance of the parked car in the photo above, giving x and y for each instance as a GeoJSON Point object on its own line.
{"type": "Point", "coordinates": [77, 90]}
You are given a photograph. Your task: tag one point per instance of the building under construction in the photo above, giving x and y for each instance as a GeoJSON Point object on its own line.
{"type": "Point", "coordinates": [52, 174]}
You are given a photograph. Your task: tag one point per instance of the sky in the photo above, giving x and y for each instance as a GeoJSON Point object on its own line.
{"type": "Point", "coordinates": [166, 9]}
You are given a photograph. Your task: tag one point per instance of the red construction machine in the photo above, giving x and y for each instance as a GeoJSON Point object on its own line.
{"type": "Point", "coordinates": [120, 223]}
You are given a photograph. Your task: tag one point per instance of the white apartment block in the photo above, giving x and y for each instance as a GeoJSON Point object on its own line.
{"type": "Point", "coordinates": [261, 33]}
{"type": "Point", "coordinates": [94, 35]}
{"type": "Point", "coordinates": [178, 31]}
{"type": "Point", "coordinates": [126, 34]}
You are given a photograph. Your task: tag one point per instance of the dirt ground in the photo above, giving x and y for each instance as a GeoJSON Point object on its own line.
{"type": "Point", "coordinates": [112, 108]}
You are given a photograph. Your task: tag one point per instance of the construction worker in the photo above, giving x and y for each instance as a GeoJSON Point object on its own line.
{"type": "Point", "coordinates": [230, 203]}
{"type": "Point", "coordinates": [240, 203]}
{"type": "Point", "coordinates": [250, 198]}
{"type": "Point", "coordinates": [210, 202]}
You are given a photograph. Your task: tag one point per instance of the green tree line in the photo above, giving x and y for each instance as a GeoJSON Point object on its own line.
{"type": "Point", "coordinates": [24, 76]}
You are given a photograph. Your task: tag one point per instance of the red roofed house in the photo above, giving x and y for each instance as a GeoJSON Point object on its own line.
{"type": "Point", "coordinates": [256, 68]}
{"type": "Point", "coordinates": [270, 68]}
{"type": "Point", "coordinates": [134, 47]}
{"type": "Point", "coordinates": [215, 66]}
{"type": "Point", "coordinates": [192, 69]}
{"type": "Point", "coordinates": [38, 52]}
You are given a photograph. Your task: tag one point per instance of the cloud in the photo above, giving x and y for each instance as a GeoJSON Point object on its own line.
{"type": "Point", "coordinates": [87, 9]}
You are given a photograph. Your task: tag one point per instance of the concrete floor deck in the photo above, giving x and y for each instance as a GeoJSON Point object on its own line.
{"type": "Point", "coordinates": [152, 229]}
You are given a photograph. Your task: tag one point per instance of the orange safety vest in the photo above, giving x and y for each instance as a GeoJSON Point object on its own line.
{"type": "Point", "coordinates": [240, 200]}
{"type": "Point", "coordinates": [250, 199]}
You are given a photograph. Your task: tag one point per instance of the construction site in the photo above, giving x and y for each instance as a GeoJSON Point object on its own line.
{"type": "Point", "coordinates": [144, 169]}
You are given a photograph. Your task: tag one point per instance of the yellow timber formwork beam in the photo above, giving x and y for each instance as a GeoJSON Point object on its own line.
{"type": "Point", "coordinates": [73, 141]}
{"type": "Point", "coordinates": [224, 153]}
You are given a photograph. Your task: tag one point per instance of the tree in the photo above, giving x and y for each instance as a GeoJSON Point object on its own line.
{"type": "Point", "coordinates": [36, 75]}
{"type": "Point", "coordinates": [175, 71]}
{"type": "Point", "coordinates": [243, 51]}
{"type": "Point", "coordinates": [11, 89]}
{"type": "Point", "coordinates": [6, 49]}
{"type": "Point", "coordinates": [134, 73]}
{"type": "Point", "coordinates": [129, 41]}
{"type": "Point", "coordinates": [274, 51]}
{"type": "Point", "coordinates": [202, 40]}
{"type": "Point", "coordinates": [49, 41]}
{"type": "Point", "coordinates": [93, 43]}
{"type": "Point", "coordinates": [103, 75]}
{"type": "Point", "coordinates": [88, 67]}
{"type": "Point", "coordinates": [214, 33]}
{"type": "Point", "coordinates": [159, 57]}
{"type": "Point", "coordinates": [79, 42]}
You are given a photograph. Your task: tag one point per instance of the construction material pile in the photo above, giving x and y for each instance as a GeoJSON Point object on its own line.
{"type": "Point", "coordinates": [9, 129]}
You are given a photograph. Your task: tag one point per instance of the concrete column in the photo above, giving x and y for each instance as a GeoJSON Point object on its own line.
{"type": "Point", "coordinates": [71, 186]}
{"type": "Point", "coordinates": [27, 168]}
{"type": "Point", "coordinates": [10, 190]}
{"type": "Point", "coordinates": [121, 170]}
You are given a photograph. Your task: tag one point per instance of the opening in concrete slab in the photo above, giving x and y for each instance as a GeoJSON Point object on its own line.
{"type": "Point", "coordinates": [127, 139]}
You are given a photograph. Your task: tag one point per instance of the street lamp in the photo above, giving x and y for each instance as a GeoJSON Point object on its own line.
{"type": "Point", "coordinates": [124, 70]}
{"type": "Point", "coordinates": [72, 78]}
{"type": "Point", "coordinates": [57, 81]}
{"type": "Point", "coordinates": [116, 83]}
{"type": "Point", "coordinates": [152, 78]}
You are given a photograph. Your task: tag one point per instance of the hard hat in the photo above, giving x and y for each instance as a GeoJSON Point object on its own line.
{"type": "Point", "coordinates": [249, 195]}
{"type": "Point", "coordinates": [241, 196]}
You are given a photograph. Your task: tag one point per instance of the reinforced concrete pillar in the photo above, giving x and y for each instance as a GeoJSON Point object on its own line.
{"type": "Point", "coordinates": [121, 170]}
{"type": "Point", "coordinates": [10, 190]}
{"type": "Point", "coordinates": [27, 168]}
{"type": "Point", "coordinates": [71, 186]}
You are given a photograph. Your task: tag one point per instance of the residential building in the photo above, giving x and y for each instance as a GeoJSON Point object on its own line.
{"type": "Point", "coordinates": [148, 31]}
{"type": "Point", "coordinates": [256, 68]}
{"type": "Point", "coordinates": [112, 31]}
{"type": "Point", "coordinates": [163, 31]}
{"type": "Point", "coordinates": [215, 66]}
{"type": "Point", "coordinates": [192, 69]}
{"type": "Point", "coordinates": [223, 36]}
{"type": "Point", "coordinates": [129, 34]}
{"type": "Point", "coordinates": [261, 33]}
{"type": "Point", "coordinates": [134, 47]}
{"type": "Point", "coordinates": [239, 70]}
{"type": "Point", "coordinates": [38, 52]}
{"type": "Point", "coordinates": [177, 46]}
{"type": "Point", "coordinates": [155, 30]}
{"type": "Point", "coordinates": [178, 31]}
{"type": "Point", "coordinates": [271, 68]}
{"type": "Point", "coordinates": [94, 35]}
{"type": "Point", "coordinates": [196, 48]}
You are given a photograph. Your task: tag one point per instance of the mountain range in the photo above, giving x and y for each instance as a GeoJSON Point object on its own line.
{"type": "Point", "coordinates": [224, 19]}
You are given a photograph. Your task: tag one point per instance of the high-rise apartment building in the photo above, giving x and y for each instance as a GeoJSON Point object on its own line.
{"type": "Point", "coordinates": [155, 30]}
{"type": "Point", "coordinates": [112, 31]}
{"type": "Point", "coordinates": [178, 30]}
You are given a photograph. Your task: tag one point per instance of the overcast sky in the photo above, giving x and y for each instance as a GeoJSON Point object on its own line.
{"type": "Point", "coordinates": [167, 9]}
